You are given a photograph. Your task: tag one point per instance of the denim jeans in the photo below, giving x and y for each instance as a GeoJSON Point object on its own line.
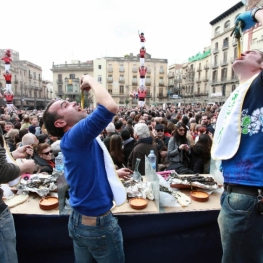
{"type": "Point", "coordinates": [241, 229]}
{"type": "Point", "coordinates": [7, 238]}
{"type": "Point", "coordinates": [101, 241]}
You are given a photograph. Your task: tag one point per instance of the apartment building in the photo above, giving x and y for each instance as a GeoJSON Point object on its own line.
{"type": "Point", "coordinates": [119, 75]}
{"type": "Point", "coordinates": [123, 79]}
{"type": "Point", "coordinates": [208, 77]}
{"type": "Point", "coordinates": [30, 91]}
{"type": "Point", "coordinates": [66, 79]}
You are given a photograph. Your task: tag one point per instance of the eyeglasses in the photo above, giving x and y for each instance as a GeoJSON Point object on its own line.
{"type": "Point", "coordinates": [159, 130]}
{"type": "Point", "coordinates": [47, 153]}
{"type": "Point", "coordinates": [182, 130]}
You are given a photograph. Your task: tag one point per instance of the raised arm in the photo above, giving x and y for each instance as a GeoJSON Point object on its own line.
{"type": "Point", "coordinates": [101, 94]}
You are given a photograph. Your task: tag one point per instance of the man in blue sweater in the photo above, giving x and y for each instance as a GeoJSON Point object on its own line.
{"type": "Point", "coordinates": [95, 232]}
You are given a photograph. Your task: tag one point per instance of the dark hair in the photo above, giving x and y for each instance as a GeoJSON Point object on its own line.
{"type": "Point", "coordinates": [49, 119]}
{"type": "Point", "coordinates": [116, 147]}
{"type": "Point", "coordinates": [42, 138]}
{"type": "Point", "coordinates": [180, 139]}
{"type": "Point", "coordinates": [118, 125]}
{"type": "Point", "coordinates": [125, 134]}
{"type": "Point", "coordinates": [203, 147]}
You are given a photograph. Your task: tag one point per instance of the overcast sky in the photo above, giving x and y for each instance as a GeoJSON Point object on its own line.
{"type": "Point", "coordinates": [56, 31]}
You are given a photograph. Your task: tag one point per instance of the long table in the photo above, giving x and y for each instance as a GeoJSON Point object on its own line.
{"type": "Point", "coordinates": [174, 234]}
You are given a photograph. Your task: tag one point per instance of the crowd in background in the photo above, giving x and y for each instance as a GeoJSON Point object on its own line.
{"type": "Point", "coordinates": [181, 137]}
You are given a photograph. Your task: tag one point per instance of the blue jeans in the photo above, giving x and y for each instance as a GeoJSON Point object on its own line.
{"type": "Point", "coordinates": [241, 229]}
{"type": "Point", "coordinates": [98, 238]}
{"type": "Point", "coordinates": [7, 238]}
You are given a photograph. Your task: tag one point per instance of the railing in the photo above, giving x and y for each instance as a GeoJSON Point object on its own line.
{"type": "Point", "coordinates": [215, 66]}
{"type": "Point", "coordinates": [59, 81]}
{"type": "Point", "coordinates": [161, 71]}
{"type": "Point", "coordinates": [198, 80]}
{"type": "Point", "coordinates": [225, 46]}
{"type": "Point", "coordinates": [134, 82]}
{"type": "Point", "coordinates": [224, 63]}
{"type": "Point", "coordinates": [110, 70]}
{"type": "Point", "coordinates": [170, 75]}
{"type": "Point", "coordinates": [161, 83]}
{"type": "Point", "coordinates": [206, 67]}
{"type": "Point", "coordinates": [121, 80]}
{"type": "Point", "coordinates": [216, 50]}
{"type": "Point", "coordinates": [205, 79]}
{"type": "Point", "coordinates": [110, 80]}
{"type": "Point", "coordinates": [134, 70]}
{"type": "Point", "coordinates": [148, 83]}
{"type": "Point", "coordinates": [199, 68]}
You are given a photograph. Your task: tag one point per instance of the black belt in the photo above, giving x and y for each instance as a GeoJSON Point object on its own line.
{"type": "Point", "coordinates": [243, 189]}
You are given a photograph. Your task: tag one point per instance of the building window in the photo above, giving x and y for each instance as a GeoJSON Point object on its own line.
{"type": "Point", "coordinates": [198, 89]}
{"type": "Point", "coordinates": [59, 76]}
{"type": "Point", "coordinates": [160, 92]}
{"type": "Point", "coordinates": [71, 76]}
{"type": "Point", "coordinates": [217, 31]}
{"type": "Point", "coordinates": [205, 88]}
{"type": "Point", "coordinates": [121, 68]}
{"type": "Point", "coordinates": [99, 66]}
{"type": "Point", "coordinates": [214, 89]}
{"type": "Point", "coordinates": [121, 89]}
{"type": "Point", "coordinates": [99, 79]}
{"type": "Point", "coordinates": [110, 89]}
{"type": "Point", "coordinates": [223, 74]}
{"type": "Point", "coordinates": [70, 88]}
{"type": "Point", "coordinates": [227, 24]}
{"type": "Point", "coordinates": [233, 87]}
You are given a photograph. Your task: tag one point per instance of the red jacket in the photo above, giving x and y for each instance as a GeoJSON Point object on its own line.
{"type": "Point", "coordinates": [6, 60]}
{"type": "Point", "coordinates": [9, 98]}
{"type": "Point", "coordinates": [142, 38]}
{"type": "Point", "coordinates": [142, 52]}
{"type": "Point", "coordinates": [142, 72]}
{"type": "Point", "coordinates": [141, 94]}
{"type": "Point", "coordinates": [8, 77]}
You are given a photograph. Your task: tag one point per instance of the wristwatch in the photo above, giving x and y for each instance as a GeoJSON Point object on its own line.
{"type": "Point", "coordinates": [253, 12]}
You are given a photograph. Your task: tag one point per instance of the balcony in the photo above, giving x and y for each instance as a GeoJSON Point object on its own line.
{"type": "Point", "coordinates": [206, 67]}
{"type": "Point", "coordinates": [198, 80]}
{"type": "Point", "coordinates": [148, 70]}
{"type": "Point", "coordinates": [30, 76]}
{"type": "Point", "coordinates": [121, 80]}
{"type": "Point", "coordinates": [205, 79]}
{"type": "Point", "coordinates": [110, 70]}
{"type": "Point", "coordinates": [224, 63]}
{"type": "Point", "coordinates": [225, 46]}
{"type": "Point", "coordinates": [148, 83]}
{"type": "Point", "coordinates": [199, 68]}
{"type": "Point", "coordinates": [134, 82]}
{"type": "Point", "coordinates": [110, 80]}
{"type": "Point", "coordinates": [161, 71]}
{"type": "Point", "coordinates": [161, 83]}
{"type": "Point", "coordinates": [60, 81]}
{"type": "Point", "coordinates": [170, 84]}
{"type": "Point", "coordinates": [121, 70]}
{"type": "Point", "coordinates": [215, 51]}
{"type": "Point", "coordinates": [214, 66]}
{"type": "Point", "coordinates": [170, 75]}
{"type": "Point", "coordinates": [215, 82]}
{"type": "Point", "coordinates": [200, 94]}
{"type": "Point", "coordinates": [40, 79]}
{"type": "Point", "coordinates": [134, 70]}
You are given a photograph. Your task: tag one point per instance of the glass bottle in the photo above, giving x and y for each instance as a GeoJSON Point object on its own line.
{"type": "Point", "coordinates": [136, 174]}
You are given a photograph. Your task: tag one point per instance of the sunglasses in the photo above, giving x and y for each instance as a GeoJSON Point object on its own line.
{"type": "Point", "coordinates": [159, 130]}
{"type": "Point", "coordinates": [181, 129]}
{"type": "Point", "coordinates": [47, 153]}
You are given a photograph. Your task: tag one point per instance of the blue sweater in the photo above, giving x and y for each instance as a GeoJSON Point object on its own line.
{"type": "Point", "coordinates": [90, 192]}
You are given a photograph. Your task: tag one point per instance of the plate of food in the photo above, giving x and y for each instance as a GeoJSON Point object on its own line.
{"type": "Point", "coordinates": [138, 203]}
{"type": "Point", "coordinates": [199, 196]}
{"type": "Point", "coordinates": [181, 186]}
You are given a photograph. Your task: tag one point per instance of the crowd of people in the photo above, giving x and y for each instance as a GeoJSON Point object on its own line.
{"type": "Point", "coordinates": [108, 140]}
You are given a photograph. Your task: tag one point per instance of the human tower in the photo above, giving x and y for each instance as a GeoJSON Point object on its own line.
{"type": "Point", "coordinates": [8, 94]}
{"type": "Point", "coordinates": [140, 94]}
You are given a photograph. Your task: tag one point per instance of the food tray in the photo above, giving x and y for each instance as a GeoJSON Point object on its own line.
{"type": "Point", "coordinates": [199, 196]}
{"type": "Point", "coordinates": [138, 203]}
{"type": "Point", "coordinates": [48, 203]}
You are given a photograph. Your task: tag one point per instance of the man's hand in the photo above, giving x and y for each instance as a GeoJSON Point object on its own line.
{"type": "Point", "coordinates": [23, 152]}
{"type": "Point", "coordinates": [124, 173]}
{"type": "Point", "coordinates": [28, 166]}
{"type": "Point", "coordinates": [85, 82]}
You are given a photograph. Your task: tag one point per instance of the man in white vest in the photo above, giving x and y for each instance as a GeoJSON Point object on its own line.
{"type": "Point", "coordinates": [238, 142]}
